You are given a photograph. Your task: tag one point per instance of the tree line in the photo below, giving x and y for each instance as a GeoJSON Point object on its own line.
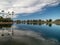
{"type": "Point", "coordinates": [5, 19]}
{"type": "Point", "coordinates": [38, 21]}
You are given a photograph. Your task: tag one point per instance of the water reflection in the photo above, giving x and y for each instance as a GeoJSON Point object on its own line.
{"type": "Point", "coordinates": [49, 24]}
{"type": "Point", "coordinates": [5, 25]}
{"type": "Point", "coordinates": [9, 35]}
{"type": "Point", "coordinates": [25, 38]}
{"type": "Point", "coordinates": [33, 23]}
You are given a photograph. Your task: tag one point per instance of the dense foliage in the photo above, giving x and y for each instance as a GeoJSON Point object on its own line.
{"type": "Point", "coordinates": [5, 19]}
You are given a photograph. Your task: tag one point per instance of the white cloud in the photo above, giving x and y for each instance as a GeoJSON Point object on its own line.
{"type": "Point", "coordinates": [26, 6]}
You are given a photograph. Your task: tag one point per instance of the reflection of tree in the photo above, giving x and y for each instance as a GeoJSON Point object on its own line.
{"type": "Point", "coordinates": [5, 25]}
{"type": "Point", "coordinates": [34, 23]}
{"type": "Point", "coordinates": [40, 24]}
{"type": "Point", "coordinates": [50, 25]}
{"type": "Point", "coordinates": [12, 33]}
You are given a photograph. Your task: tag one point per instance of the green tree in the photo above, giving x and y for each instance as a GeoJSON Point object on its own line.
{"type": "Point", "coordinates": [50, 20]}
{"type": "Point", "coordinates": [1, 19]}
{"type": "Point", "coordinates": [2, 13]}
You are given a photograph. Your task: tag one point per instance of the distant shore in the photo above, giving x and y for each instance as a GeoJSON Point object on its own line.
{"type": "Point", "coordinates": [6, 22]}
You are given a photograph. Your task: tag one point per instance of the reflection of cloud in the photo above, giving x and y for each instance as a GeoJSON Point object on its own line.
{"type": "Point", "coordinates": [28, 37]}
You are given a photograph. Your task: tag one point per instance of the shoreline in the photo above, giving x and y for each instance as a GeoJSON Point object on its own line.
{"type": "Point", "coordinates": [6, 22]}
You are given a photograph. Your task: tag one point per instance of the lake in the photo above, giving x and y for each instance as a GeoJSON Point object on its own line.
{"type": "Point", "coordinates": [30, 34]}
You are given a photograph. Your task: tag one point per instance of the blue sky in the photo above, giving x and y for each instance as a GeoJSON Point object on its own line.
{"type": "Point", "coordinates": [31, 9]}
{"type": "Point", "coordinates": [48, 13]}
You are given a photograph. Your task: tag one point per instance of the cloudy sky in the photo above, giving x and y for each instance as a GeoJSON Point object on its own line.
{"type": "Point", "coordinates": [32, 9]}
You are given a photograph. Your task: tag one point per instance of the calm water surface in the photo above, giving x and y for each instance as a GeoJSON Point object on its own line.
{"type": "Point", "coordinates": [30, 34]}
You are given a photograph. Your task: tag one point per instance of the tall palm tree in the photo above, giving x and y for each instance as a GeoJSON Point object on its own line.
{"type": "Point", "coordinates": [7, 14]}
{"type": "Point", "coordinates": [12, 13]}
{"type": "Point", "coordinates": [2, 13]}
